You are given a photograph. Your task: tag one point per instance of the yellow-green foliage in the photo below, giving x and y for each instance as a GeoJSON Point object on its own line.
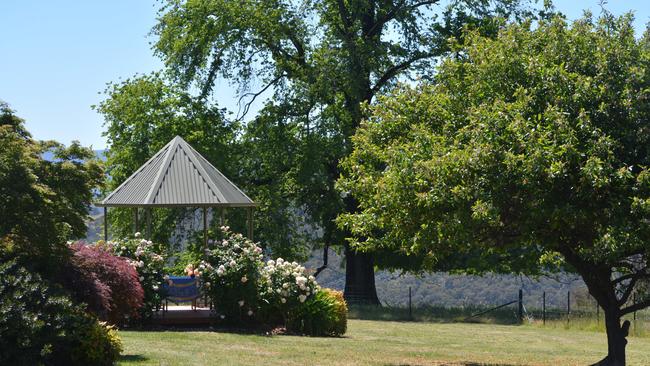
{"type": "Point", "coordinates": [99, 344]}
{"type": "Point", "coordinates": [324, 314]}
{"type": "Point", "coordinates": [340, 313]}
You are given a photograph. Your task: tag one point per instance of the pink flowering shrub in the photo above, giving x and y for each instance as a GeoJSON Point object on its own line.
{"type": "Point", "coordinates": [116, 274]}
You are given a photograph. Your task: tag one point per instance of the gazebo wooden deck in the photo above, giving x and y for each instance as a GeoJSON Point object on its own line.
{"type": "Point", "coordinates": [183, 315]}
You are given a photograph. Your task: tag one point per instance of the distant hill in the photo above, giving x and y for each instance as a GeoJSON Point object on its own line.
{"type": "Point", "coordinates": [48, 155]}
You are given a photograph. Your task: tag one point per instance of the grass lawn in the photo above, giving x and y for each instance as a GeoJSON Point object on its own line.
{"type": "Point", "coordinates": [381, 343]}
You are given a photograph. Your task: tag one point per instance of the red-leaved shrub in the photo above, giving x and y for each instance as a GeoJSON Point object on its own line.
{"type": "Point", "coordinates": [114, 273]}
{"type": "Point", "coordinates": [85, 286]}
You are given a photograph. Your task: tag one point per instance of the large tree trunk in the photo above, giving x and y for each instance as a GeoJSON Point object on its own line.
{"type": "Point", "coordinates": [616, 338]}
{"type": "Point", "coordinates": [359, 278]}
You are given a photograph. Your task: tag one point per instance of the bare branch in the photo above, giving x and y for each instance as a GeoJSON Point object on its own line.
{"type": "Point", "coordinates": [254, 96]}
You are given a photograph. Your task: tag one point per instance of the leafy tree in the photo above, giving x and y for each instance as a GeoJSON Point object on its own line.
{"type": "Point", "coordinates": [317, 62]}
{"type": "Point", "coordinates": [43, 202]}
{"type": "Point", "coordinates": [537, 140]}
{"type": "Point", "coordinates": [142, 115]}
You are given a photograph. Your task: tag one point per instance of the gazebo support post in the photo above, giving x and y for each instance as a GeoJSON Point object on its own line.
{"type": "Point", "coordinates": [250, 223]}
{"type": "Point", "coordinates": [148, 212]}
{"type": "Point", "coordinates": [105, 223]}
{"type": "Point", "coordinates": [205, 227]}
{"type": "Point", "coordinates": [136, 224]}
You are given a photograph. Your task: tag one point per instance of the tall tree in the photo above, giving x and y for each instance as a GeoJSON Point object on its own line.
{"type": "Point", "coordinates": [43, 202]}
{"type": "Point", "coordinates": [145, 112]}
{"type": "Point", "coordinates": [536, 141]}
{"type": "Point", "coordinates": [318, 62]}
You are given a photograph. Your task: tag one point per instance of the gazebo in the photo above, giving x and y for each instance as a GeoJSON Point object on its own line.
{"type": "Point", "coordinates": [177, 176]}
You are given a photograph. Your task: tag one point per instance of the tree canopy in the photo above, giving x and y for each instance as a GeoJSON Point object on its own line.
{"type": "Point", "coordinates": [535, 141]}
{"type": "Point", "coordinates": [43, 202]}
{"type": "Point", "coordinates": [315, 64]}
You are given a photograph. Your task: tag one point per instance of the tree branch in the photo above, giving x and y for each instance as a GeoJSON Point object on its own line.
{"type": "Point", "coordinates": [345, 15]}
{"type": "Point", "coordinates": [635, 307]}
{"type": "Point", "coordinates": [396, 69]}
{"type": "Point", "coordinates": [255, 95]}
{"type": "Point", "coordinates": [379, 24]}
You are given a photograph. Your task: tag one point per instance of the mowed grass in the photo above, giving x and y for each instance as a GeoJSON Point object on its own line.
{"type": "Point", "coordinates": [380, 343]}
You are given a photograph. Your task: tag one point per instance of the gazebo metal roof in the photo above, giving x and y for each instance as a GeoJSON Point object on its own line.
{"type": "Point", "coordinates": [177, 176]}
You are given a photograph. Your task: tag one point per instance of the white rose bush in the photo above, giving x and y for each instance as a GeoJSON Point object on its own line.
{"type": "Point", "coordinates": [285, 286]}
{"type": "Point", "coordinates": [149, 264]}
{"type": "Point", "coordinates": [245, 289]}
{"type": "Point", "coordinates": [230, 272]}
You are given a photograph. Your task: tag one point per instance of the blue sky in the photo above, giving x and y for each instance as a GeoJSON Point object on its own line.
{"type": "Point", "coordinates": [56, 56]}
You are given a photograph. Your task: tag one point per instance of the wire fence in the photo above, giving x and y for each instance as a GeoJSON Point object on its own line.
{"type": "Point", "coordinates": [577, 310]}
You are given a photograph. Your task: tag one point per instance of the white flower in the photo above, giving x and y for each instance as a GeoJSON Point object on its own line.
{"type": "Point", "coordinates": [123, 247]}
{"type": "Point", "coordinates": [137, 234]}
{"type": "Point", "coordinates": [278, 291]}
{"type": "Point", "coordinates": [280, 261]}
{"type": "Point", "coordinates": [285, 285]}
{"type": "Point", "coordinates": [141, 278]}
{"type": "Point", "coordinates": [222, 316]}
{"type": "Point", "coordinates": [312, 278]}
{"type": "Point", "coordinates": [244, 279]}
{"type": "Point", "coordinates": [271, 263]}
{"type": "Point", "coordinates": [236, 246]}
{"type": "Point", "coordinates": [232, 263]}
{"type": "Point", "coordinates": [241, 303]}
{"type": "Point", "coordinates": [302, 298]}
{"type": "Point", "coordinates": [283, 300]}
{"type": "Point", "coordinates": [141, 264]}
{"type": "Point", "coordinates": [155, 287]}
{"type": "Point", "coordinates": [250, 312]}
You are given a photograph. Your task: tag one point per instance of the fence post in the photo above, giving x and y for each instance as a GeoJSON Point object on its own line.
{"type": "Point", "coordinates": [568, 307]}
{"type": "Point", "coordinates": [521, 306]}
{"type": "Point", "coordinates": [410, 305]}
{"type": "Point", "coordinates": [634, 303]}
{"type": "Point", "coordinates": [544, 308]}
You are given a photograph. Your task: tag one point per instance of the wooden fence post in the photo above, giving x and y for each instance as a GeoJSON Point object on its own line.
{"type": "Point", "coordinates": [521, 306]}
{"type": "Point", "coordinates": [410, 305]}
{"type": "Point", "coordinates": [568, 307]}
{"type": "Point", "coordinates": [544, 308]}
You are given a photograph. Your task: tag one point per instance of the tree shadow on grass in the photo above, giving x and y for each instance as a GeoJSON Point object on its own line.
{"type": "Point", "coordinates": [460, 363]}
{"type": "Point", "coordinates": [132, 358]}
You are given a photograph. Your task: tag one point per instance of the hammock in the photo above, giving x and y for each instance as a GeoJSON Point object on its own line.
{"type": "Point", "coordinates": [181, 289]}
